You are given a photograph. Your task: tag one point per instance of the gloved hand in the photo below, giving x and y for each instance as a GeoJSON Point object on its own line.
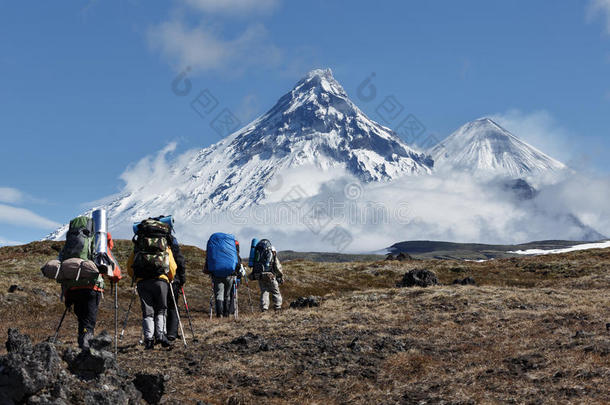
{"type": "Point", "coordinates": [280, 280]}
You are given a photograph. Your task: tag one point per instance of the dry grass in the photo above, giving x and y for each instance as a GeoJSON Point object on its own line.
{"type": "Point", "coordinates": [533, 331]}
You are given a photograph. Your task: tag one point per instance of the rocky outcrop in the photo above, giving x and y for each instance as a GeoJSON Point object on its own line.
{"type": "Point", "coordinates": [37, 374]}
{"type": "Point", "coordinates": [418, 278]}
{"type": "Point", "coordinates": [306, 302]}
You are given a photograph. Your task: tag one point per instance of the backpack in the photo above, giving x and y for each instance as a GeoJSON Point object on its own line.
{"type": "Point", "coordinates": [263, 256]}
{"type": "Point", "coordinates": [73, 269]}
{"type": "Point", "coordinates": [79, 240]}
{"type": "Point", "coordinates": [151, 258]}
{"type": "Point", "coordinates": [221, 254]}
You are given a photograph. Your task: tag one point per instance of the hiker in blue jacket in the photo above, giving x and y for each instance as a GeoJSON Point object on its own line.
{"type": "Point", "coordinates": [223, 264]}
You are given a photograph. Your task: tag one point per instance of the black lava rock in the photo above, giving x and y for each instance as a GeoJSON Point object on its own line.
{"type": "Point", "coordinates": [90, 363]}
{"type": "Point", "coordinates": [35, 374]}
{"type": "Point", "coordinates": [403, 257]}
{"type": "Point", "coordinates": [306, 302]}
{"type": "Point", "coordinates": [26, 369]}
{"type": "Point", "coordinates": [103, 341]}
{"type": "Point", "coordinates": [152, 386]}
{"type": "Point", "coordinates": [465, 281]}
{"type": "Point", "coordinates": [14, 288]}
{"type": "Point", "coordinates": [18, 343]}
{"type": "Point", "coordinates": [245, 340]}
{"type": "Point", "coordinates": [418, 278]}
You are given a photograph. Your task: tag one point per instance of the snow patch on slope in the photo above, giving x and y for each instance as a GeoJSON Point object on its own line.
{"type": "Point", "coordinates": [584, 246]}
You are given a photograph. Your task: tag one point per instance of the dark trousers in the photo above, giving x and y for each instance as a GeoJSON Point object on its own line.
{"type": "Point", "coordinates": [172, 314]}
{"type": "Point", "coordinates": [153, 297]}
{"type": "Point", "coordinates": [85, 302]}
{"type": "Point", "coordinates": [223, 293]}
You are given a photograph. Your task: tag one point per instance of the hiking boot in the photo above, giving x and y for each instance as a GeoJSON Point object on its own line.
{"type": "Point", "coordinates": [163, 341]}
{"type": "Point", "coordinates": [171, 338]}
{"type": "Point", "coordinates": [86, 337]}
{"type": "Point", "coordinates": [149, 344]}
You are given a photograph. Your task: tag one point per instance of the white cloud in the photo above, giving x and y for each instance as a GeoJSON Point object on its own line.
{"type": "Point", "coordinates": [151, 174]}
{"type": "Point", "coordinates": [453, 207]}
{"type": "Point", "coordinates": [24, 217]}
{"type": "Point", "coordinates": [599, 8]}
{"type": "Point", "coordinates": [233, 7]}
{"type": "Point", "coordinates": [204, 49]}
{"type": "Point", "coordinates": [7, 242]}
{"type": "Point", "coordinates": [10, 195]}
{"type": "Point", "coordinates": [541, 130]}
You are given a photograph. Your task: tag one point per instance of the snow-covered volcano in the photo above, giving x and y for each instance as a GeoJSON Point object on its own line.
{"type": "Point", "coordinates": [484, 147]}
{"type": "Point", "coordinates": [314, 138]}
{"type": "Point", "coordinates": [315, 124]}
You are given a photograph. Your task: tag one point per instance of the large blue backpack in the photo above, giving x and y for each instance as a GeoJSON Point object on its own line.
{"type": "Point", "coordinates": [221, 253]}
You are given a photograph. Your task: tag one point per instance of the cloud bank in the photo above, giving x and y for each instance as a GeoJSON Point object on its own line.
{"type": "Point", "coordinates": [307, 209]}
{"type": "Point", "coordinates": [24, 217]}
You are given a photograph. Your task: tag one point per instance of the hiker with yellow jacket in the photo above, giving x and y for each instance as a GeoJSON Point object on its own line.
{"type": "Point", "coordinates": [152, 267]}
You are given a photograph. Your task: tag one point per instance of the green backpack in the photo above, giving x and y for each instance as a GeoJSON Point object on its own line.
{"type": "Point", "coordinates": [79, 240]}
{"type": "Point", "coordinates": [151, 258]}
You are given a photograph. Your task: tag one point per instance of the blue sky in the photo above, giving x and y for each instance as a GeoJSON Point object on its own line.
{"type": "Point", "coordinates": [87, 86]}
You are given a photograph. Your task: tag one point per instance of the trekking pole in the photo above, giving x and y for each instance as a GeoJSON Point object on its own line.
{"type": "Point", "coordinates": [171, 289]}
{"type": "Point", "coordinates": [133, 298]}
{"type": "Point", "coordinates": [188, 314]}
{"type": "Point", "coordinates": [59, 326]}
{"type": "Point", "coordinates": [116, 318]}
{"type": "Point", "coordinates": [236, 300]}
{"type": "Point", "coordinates": [211, 298]}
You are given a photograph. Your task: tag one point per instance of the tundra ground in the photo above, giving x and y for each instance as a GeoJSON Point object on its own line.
{"type": "Point", "coordinates": [533, 330]}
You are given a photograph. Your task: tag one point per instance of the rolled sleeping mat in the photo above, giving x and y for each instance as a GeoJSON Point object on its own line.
{"type": "Point", "coordinates": [169, 220]}
{"type": "Point", "coordinates": [100, 228]}
{"type": "Point", "coordinates": [252, 252]}
{"type": "Point", "coordinates": [70, 269]}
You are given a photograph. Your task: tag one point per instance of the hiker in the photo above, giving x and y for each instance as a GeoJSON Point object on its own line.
{"type": "Point", "coordinates": [84, 293]}
{"type": "Point", "coordinates": [176, 285]}
{"type": "Point", "coordinates": [223, 264]}
{"type": "Point", "coordinates": [267, 269]}
{"type": "Point", "coordinates": [152, 266]}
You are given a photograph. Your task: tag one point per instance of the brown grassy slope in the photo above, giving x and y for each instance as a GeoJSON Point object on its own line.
{"type": "Point", "coordinates": [533, 332]}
